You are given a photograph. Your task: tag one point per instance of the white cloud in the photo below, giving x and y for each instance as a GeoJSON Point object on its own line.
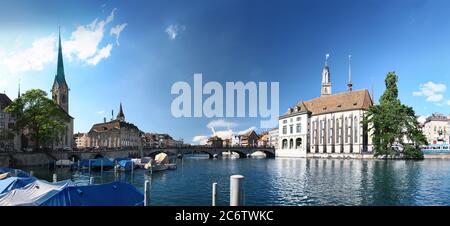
{"type": "Point", "coordinates": [41, 52]}
{"type": "Point", "coordinates": [202, 140]}
{"type": "Point", "coordinates": [116, 31]}
{"type": "Point", "coordinates": [432, 91]}
{"type": "Point", "coordinates": [174, 30]}
{"type": "Point", "coordinates": [247, 130]}
{"type": "Point", "coordinates": [85, 40]}
{"type": "Point", "coordinates": [100, 112]}
{"type": "Point", "coordinates": [84, 45]}
{"type": "Point", "coordinates": [103, 53]}
{"type": "Point", "coordinates": [220, 123]}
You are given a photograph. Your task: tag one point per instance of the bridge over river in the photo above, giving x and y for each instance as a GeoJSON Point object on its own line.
{"type": "Point", "coordinates": [43, 158]}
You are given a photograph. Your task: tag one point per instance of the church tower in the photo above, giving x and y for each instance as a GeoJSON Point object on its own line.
{"type": "Point", "coordinates": [121, 115]}
{"type": "Point", "coordinates": [60, 90]}
{"type": "Point", "coordinates": [326, 82]}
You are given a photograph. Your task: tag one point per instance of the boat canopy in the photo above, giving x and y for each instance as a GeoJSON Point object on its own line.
{"type": "Point", "coordinates": [11, 183]}
{"type": "Point", "coordinates": [96, 162]}
{"type": "Point", "coordinates": [125, 164]}
{"type": "Point", "coordinates": [66, 193]}
{"type": "Point", "coordinates": [20, 173]}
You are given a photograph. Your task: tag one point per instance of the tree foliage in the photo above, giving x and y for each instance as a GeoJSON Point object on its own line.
{"type": "Point", "coordinates": [44, 119]}
{"type": "Point", "coordinates": [396, 131]}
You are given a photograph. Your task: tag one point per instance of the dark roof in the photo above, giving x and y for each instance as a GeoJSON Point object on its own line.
{"type": "Point", "coordinates": [4, 101]}
{"type": "Point", "coordinates": [345, 101]}
{"type": "Point", "coordinates": [437, 117]}
{"type": "Point", "coordinates": [114, 124]}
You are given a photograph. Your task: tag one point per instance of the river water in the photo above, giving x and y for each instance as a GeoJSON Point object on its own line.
{"type": "Point", "coordinates": [287, 182]}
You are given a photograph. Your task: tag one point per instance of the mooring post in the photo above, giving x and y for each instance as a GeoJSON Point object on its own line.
{"type": "Point", "coordinates": [31, 173]}
{"type": "Point", "coordinates": [78, 164]}
{"type": "Point", "coordinates": [55, 178]}
{"type": "Point", "coordinates": [91, 180]}
{"type": "Point", "coordinates": [236, 190]}
{"type": "Point", "coordinates": [147, 193]}
{"type": "Point", "coordinates": [214, 193]}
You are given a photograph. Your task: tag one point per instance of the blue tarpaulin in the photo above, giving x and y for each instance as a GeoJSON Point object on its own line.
{"type": "Point", "coordinates": [96, 163]}
{"type": "Point", "coordinates": [112, 194]}
{"type": "Point", "coordinates": [20, 173]}
{"type": "Point", "coordinates": [12, 183]}
{"type": "Point", "coordinates": [65, 193]}
{"type": "Point", "coordinates": [125, 164]}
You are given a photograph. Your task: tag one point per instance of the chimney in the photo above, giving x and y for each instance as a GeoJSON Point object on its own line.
{"type": "Point", "coordinates": [104, 119]}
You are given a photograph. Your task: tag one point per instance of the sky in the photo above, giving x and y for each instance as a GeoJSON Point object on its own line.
{"type": "Point", "coordinates": [132, 52]}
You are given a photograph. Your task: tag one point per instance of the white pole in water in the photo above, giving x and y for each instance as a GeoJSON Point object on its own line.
{"type": "Point", "coordinates": [55, 178]}
{"type": "Point", "coordinates": [91, 180]}
{"type": "Point", "coordinates": [15, 172]}
{"type": "Point", "coordinates": [236, 190]}
{"type": "Point", "coordinates": [214, 193]}
{"type": "Point", "coordinates": [147, 193]}
{"type": "Point", "coordinates": [78, 164]}
{"type": "Point", "coordinates": [31, 173]}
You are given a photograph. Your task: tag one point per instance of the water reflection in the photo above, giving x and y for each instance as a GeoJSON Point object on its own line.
{"type": "Point", "coordinates": [287, 181]}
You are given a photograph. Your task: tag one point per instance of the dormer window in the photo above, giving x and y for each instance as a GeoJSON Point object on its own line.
{"type": "Point", "coordinates": [339, 106]}
{"type": "Point", "coordinates": [354, 104]}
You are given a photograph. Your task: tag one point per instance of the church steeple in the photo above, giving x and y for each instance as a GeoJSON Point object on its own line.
{"type": "Point", "coordinates": [60, 90]}
{"type": "Point", "coordinates": [121, 115]}
{"type": "Point", "coordinates": [350, 84]}
{"type": "Point", "coordinates": [326, 82]}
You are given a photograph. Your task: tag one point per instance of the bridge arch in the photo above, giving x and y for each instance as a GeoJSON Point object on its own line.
{"type": "Point", "coordinates": [74, 158]}
{"type": "Point", "coordinates": [98, 156]}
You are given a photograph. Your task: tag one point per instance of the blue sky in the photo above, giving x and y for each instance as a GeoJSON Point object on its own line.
{"type": "Point", "coordinates": [162, 42]}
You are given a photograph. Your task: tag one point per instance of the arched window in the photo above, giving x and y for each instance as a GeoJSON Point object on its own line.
{"type": "Point", "coordinates": [355, 124]}
{"type": "Point", "coordinates": [346, 130]}
{"type": "Point", "coordinates": [284, 144]}
{"type": "Point", "coordinates": [298, 143]}
{"type": "Point", "coordinates": [291, 143]}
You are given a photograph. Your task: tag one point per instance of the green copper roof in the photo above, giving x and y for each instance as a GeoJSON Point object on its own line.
{"type": "Point", "coordinates": [60, 77]}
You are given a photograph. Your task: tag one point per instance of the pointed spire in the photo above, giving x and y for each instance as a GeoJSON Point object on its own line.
{"type": "Point", "coordinates": [60, 76]}
{"type": "Point", "coordinates": [121, 115]}
{"type": "Point", "coordinates": [349, 84]}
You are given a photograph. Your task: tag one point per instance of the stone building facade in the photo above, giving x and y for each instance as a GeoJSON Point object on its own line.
{"type": "Point", "coordinates": [116, 133]}
{"type": "Point", "coordinates": [328, 124]}
{"type": "Point", "coordinates": [437, 129]}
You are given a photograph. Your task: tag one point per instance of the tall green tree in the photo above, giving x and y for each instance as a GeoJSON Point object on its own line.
{"type": "Point", "coordinates": [396, 131]}
{"type": "Point", "coordinates": [44, 119]}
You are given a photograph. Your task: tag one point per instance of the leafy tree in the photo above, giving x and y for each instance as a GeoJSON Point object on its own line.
{"type": "Point", "coordinates": [44, 119]}
{"type": "Point", "coordinates": [396, 131]}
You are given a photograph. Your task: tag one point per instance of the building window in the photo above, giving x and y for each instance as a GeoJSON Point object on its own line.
{"type": "Point", "coordinates": [284, 130]}
{"type": "Point", "coordinates": [356, 130]}
{"type": "Point", "coordinates": [291, 143]}
{"type": "Point", "coordinates": [298, 142]}
{"type": "Point", "coordinates": [298, 118]}
{"type": "Point", "coordinates": [346, 130]}
{"type": "Point", "coordinates": [291, 129]}
{"type": "Point", "coordinates": [299, 127]}
{"type": "Point", "coordinates": [284, 121]}
{"type": "Point", "coordinates": [330, 132]}
{"type": "Point", "coordinates": [284, 144]}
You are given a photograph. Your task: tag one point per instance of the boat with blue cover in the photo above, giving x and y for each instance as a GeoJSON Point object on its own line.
{"type": "Point", "coordinates": [96, 164]}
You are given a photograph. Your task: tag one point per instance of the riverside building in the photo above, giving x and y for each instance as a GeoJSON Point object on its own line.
{"type": "Point", "coordinates": [327, 125]}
